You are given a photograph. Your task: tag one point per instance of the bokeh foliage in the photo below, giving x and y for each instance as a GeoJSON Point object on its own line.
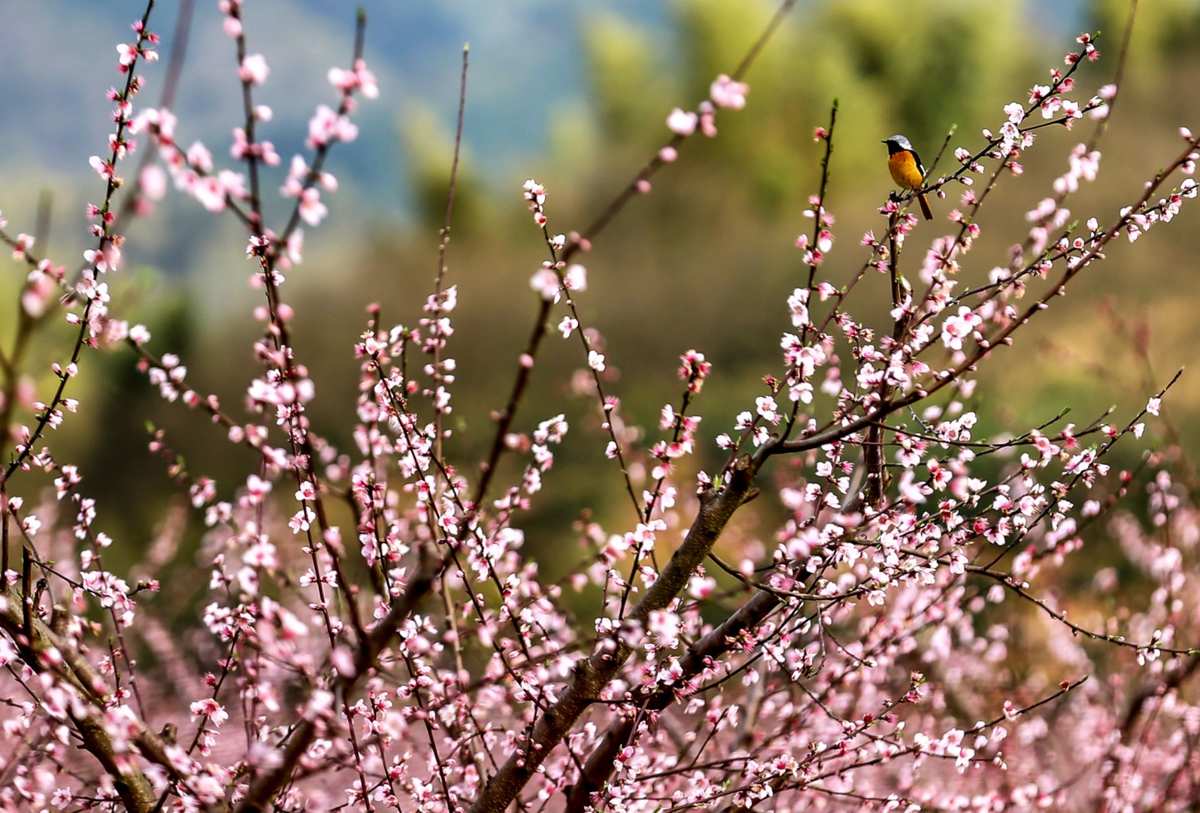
{"type": "Point", "coordinates": [705, 261]}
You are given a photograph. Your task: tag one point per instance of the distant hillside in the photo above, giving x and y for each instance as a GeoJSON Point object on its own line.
{"type": "Point", "coordinates": [525, 59]}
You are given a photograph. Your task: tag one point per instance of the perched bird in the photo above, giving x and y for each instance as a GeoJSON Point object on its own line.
{"type": "Point", "coordinates": [906, 168]}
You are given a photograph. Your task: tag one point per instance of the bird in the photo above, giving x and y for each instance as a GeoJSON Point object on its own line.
{"type": "Point", "coordinates": [906, 168]}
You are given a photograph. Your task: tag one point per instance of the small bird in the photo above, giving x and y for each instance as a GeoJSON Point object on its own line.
{"type": "Point", "coordinates": [906, 168]}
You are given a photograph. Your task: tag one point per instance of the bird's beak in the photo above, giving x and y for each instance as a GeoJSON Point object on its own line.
{"type": "Point", "coordinates": [883, 141]}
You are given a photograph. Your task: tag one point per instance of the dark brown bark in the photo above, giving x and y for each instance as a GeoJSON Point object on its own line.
{"type": "Point", "coordinates": [593, 674]}
{"type": "Point", "coordinates": [264, 788]}
{"type": "Point", "coordinates": [35, 641]}
{"type": "Point", "coordinates": [601, 761]}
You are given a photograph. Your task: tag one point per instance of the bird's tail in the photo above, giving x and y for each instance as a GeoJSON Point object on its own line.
{"type": "Point", "coordinates": [925, 210]}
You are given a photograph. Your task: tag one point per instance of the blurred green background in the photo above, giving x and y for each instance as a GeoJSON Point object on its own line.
{"type": "Point", "coordinates": [575, 95]}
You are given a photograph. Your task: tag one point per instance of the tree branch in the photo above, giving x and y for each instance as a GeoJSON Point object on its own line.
{"type": "Point", "coordinates": [594, 674]}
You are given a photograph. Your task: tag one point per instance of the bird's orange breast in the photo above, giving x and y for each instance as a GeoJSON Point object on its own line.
{"type": "Point", "coordinates": [904, 170]}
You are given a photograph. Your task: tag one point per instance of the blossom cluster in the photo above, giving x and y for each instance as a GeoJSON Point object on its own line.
{"type": "Point", "coordinates": [369, 629]}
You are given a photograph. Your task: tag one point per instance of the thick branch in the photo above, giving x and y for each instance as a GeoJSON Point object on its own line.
{"type": "Point", "coordinates": [268, 784]}
{"type": "Point", "coordinates": [594, 674]}
{"type": "Point", "coordinates": [36, 642]}
{"type": "Point", "coordinates": [602, 761]}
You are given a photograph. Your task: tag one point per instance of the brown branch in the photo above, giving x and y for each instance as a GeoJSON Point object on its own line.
{"type": "Point", "coordinates": [1173, 681]}
{"type": "Point", "coordinates": [630, 191]}
{"type": "Point", "coordinates": [106, 236]}
{"type": "Point", "coordinates": [1118, 77]}
{"type": "Point", "coordinates": [36, 642]}
{"type": "Point", "coordinates": [322, 150]}
{"type": "Point", "coordinates": [520, 382]}
{"type": "Point", "coordinates": [832, 434]}
{"type": "Point", "coordinates": [594, 674]}
{"type": "Point", "coordinates": [264, 788]}
{"type": "Point", "coordinates": [453, 187]}
{"type": "Point", "coordinates": [602, 760]}
{"type": "Point", "coordinates": [166, 100]}
{"type": "Point", "coordinates": [873, 457]}
{"type": "Point", "coordinates": [443, 244]}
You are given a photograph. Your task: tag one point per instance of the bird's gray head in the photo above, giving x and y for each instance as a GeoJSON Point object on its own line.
{"type": "Point", "coordinates": [897, 142]}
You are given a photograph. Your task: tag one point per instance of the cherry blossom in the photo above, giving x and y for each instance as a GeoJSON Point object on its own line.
{"type": "Point", "coordinates": [838, 605]}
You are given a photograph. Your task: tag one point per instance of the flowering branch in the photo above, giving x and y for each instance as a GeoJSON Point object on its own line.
{"type": "Point", "coordinates": [373, 633]}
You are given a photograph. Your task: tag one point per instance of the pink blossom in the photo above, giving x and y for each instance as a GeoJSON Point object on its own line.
{"type": "Point", "coordinates": [545, 282]}
{"type": "Point", "coordinates": [798, 305]}
{"type": "Point", "coordinates": [575, 277]}
{"type": "Point", "coordinates": [254, 69]}
{"type": "Point", "coordinates": [767, 409]}
{"type": "Point", "coordinates": [211, 709]}
{"type": "Point", "coordinates": [358, 78]}
{"type": "Point", "coordinates": [153, 182]}
{"type": "Point", "coordinates": [104, 169]}
{"type": "Point", "coordinates": [708, 119]}
{"type": "Point", "coordinates": [959, 326]}
{"type": "Point", "coordinates": [740, 633]}
{"type": "Point", "coordinates": [701, 587]}
{"type": "Point", "coordinates": [682, 122]}
{"type": "Point", "coordinates": [23, 243]}
{"type": "Point", "coordinates": [312, 211]}
{"type": "Point", "coordinates": [727, 92]}
{"type": "Point", "coordinates": [326, 127]}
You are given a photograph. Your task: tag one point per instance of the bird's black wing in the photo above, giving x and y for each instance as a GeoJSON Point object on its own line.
{"type": "Point", "coordinates": [917, 158]}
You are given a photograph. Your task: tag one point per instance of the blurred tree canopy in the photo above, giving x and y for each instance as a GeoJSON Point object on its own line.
{"type": "Point", "coordinates": [704, 261]}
